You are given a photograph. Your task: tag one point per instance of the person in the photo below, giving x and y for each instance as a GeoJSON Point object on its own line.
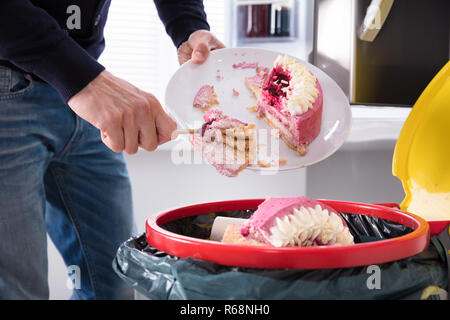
{"type": "Point", "coordinates": [65, 122]}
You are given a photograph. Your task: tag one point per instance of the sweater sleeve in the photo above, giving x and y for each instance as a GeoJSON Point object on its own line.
{"type": "Point", "coordinates": [181, 18]}
{"type": "Point", "coordinates": [33, 41]}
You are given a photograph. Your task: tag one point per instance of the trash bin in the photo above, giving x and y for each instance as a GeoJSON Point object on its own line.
{"type": "Point", "coordinates": [159, 275]}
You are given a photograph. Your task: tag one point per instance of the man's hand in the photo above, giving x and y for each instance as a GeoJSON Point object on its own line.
{"type": "Point", "coordinates": [198, 46]}
{"type": "Point", "coordinates": [126, 116]}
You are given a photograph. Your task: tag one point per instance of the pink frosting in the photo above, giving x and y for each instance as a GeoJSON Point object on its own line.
{"type": "Point", "coordinates": [220, 121]}
{"type": "Point", "coordinates": [211, 146]}
{"type": "Point", "coordinates": [246, 65]}
{"type": "Point", "coordinates": [203, 96]}
{"type": "Point", "coordinates": [304, 128]}
{"type": "Point", "coordinates": [264, 217]}
{"type": "Point", "coordinates": [258, 79]}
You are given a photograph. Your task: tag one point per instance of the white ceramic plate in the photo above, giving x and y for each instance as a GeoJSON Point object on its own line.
{"type": "Point", "coordinates": [184, 84]}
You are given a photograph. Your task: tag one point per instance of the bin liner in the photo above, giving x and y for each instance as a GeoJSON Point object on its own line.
{"type": "Point", "coordinates": [158, 275]}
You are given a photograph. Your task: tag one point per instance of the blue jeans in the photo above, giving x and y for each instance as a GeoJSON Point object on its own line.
{"type": "Point", "coordinates": [57, 177]}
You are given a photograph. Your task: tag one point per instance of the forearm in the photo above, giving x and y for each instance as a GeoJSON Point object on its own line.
{"type": "Point", "coordinates": [181, 18]}
{"type": "Point", "coordinates": [33, 40]}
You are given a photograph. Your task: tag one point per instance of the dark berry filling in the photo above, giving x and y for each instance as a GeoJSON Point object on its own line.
{"type": "Point", "coordinates": [205, 125]}
{"type": "Point", "coordinates": [277, 80]}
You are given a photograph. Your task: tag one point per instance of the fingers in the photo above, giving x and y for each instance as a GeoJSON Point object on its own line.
{"type": "Point", "coordinates": [216, 44]}
{"type": "Point", "coordinates": [130, 126]}
{"type": "Point", "coordinates": [113, 139]}
{"type": "Point", "coordinates": [165, 127]}
{"type": "Point", "coordinates": [131, 132]}
{"type": "Point", "coordinates": [164, 124]}
{"type": "Point", "coordinates": [198, 46]}
{"type": "Point", "coordinates": [202, 42]}
{"type": "Point", "coordinates": [126, 116]}
{"type": "Point", "coordinates": [200, 52]}
{"type": "Point", "coordinates": [148, 136]}
{"type": "Point", "coordinates": [184, 53]}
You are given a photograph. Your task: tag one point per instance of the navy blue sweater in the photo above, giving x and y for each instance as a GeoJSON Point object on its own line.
{"type": "Point", "coordinates": [59, 41]}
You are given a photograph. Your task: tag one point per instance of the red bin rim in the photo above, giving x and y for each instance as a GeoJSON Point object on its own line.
{"type": "Point", "coordinates": [321, 257]}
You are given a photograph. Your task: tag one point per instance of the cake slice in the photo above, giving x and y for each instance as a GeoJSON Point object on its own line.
{"type": "Point", "coordinates": [233, 235]}
{"type": "Point", "coordinates": [226, 143]}
{"type": "Point", "coordinates": [256, 82]}
{"type": "Point", "coordinates": [297, 221]}
{"type": "Point", "coordinates": [291, 101]}
{"type": "Point", "coordinates": [205, 98]}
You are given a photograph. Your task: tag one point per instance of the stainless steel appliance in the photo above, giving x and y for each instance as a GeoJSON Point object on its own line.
{"type": "Point", "coordinates": [382, 52]}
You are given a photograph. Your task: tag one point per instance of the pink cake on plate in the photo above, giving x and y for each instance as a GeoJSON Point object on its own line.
{"type": "Point", "coordinates": [255, 83]}
{"type": "Point", "coordinates": [291, 101]}
{"type": "Point", "coordinates": [205, 98]}
{"type": "Point", "coordinates": [297, 221]}
{"type": "Point", "coordinates": [226, 143]}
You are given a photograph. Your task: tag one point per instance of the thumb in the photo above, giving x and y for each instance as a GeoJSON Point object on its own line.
{"type": "Point", "coordinates": [200, 52]}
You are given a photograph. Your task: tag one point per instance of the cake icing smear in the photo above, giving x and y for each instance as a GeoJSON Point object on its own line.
{"type": "Point", "coordinates": [226, 143]}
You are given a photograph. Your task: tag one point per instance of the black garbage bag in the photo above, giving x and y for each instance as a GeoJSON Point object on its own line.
{"type": "Point", "coordinates": [158, 275]}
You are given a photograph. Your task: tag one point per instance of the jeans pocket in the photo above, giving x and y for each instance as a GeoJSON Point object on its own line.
{"type": "Point", "coordinates": [14, 83]}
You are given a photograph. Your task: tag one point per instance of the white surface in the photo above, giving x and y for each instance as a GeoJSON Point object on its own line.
{"type": "Point", "coordinates": [185, 83]}
{"type": "Point", "coordinates": [376, 123]}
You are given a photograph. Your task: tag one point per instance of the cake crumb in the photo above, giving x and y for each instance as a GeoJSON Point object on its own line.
{"type": "Point", "coordinates": [252, 108]}
{"type": "Point", "coordinates": [302, 150]}
{"type": "Point", "coordinates": [246, 65]}
{"type": "Point", "coordinates": [262, 70]}
{"type": "Point", "coordinates": [235, 92]}
{"type": "Point", "coordinates": [205, 98]}
{"type": "Point", "coordinates": [233, 235]}
{"type": "Point", "coordinates": [263, 164]}
{"type": "Point", "coordinates": [282, 162]}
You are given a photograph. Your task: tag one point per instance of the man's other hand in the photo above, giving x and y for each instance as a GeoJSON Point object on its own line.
{"type": "Point", "coordinates": [126, 116]}
{"type": "Point", "coordinates": [198, 46]}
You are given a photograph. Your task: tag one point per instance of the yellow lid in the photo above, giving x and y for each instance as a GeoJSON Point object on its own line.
{"type": "Point", "coordinates": [422, 154]}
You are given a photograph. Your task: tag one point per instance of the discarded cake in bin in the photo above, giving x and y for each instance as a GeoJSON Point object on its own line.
{"type": "Point", "coordinates": [233, 235]}
{"type": "Point", "coordinates": [298, 221]}
{"type": "Point", "coordinates": [226, 143]}
{"type": "Point", "coordinates": [291, 101]}
{"type": "Point", "coordinates": [205, 98]}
